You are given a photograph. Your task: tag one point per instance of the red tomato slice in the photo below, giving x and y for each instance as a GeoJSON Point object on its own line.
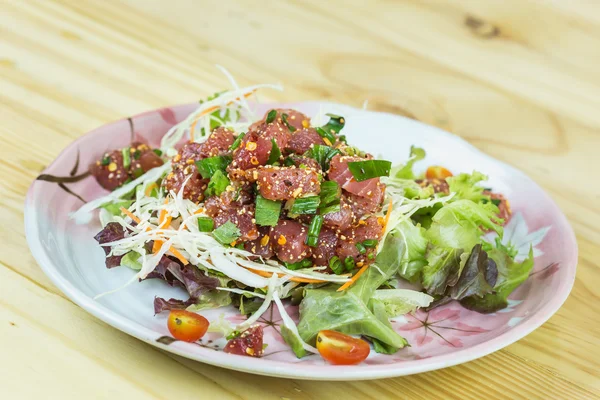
{"type": "Point", "coordinates": [187, 326]}
{"type": "Point", "coordinates": [341, 349]}
{"type": "Point", "coordinates": [437, 172]}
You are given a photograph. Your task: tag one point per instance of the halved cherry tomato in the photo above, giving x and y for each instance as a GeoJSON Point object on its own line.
{"type": "Point", "coordinates": [437, 172]}
{"type": "Point", "coordinates": [341, 349]}
{"type": "Point", "coordinates": [187, 326]}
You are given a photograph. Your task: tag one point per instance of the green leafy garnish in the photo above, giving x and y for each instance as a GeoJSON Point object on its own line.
{"type": "Point", "coordinates": [218, 184]}
{"type": "Point", "coordinates": [323, 154]}
{"type": "Point", "coordinates": [267, 211]}
{"type": "Point", "coordinates": [115, 208]}
{"type": "Point", "coordinates": [208, 166]}
{"type": "Point", "coordinates": [312, 239]}
{"type": "Point", "coordinates": [401, 301]}
{"type": "Point", "coordinates": [275, 153]}
{"type": "Point", "coordinates": [330, 197]}
{"type": "Point", "coordinates": [305, 205]}
{"type": "Point", "coordinates": [271, 116]}
{"type": "Point", "coordinates": [126, 157]}
{"type": "Point", "coordinates": [406, 171]}
{"type": "Point", "coordinates": [511, 275]}
{"type": "Point", "coordinates": [478, 276]}
{"type": "Point", "coordinates": [368, 169]}
{"type": "Point", "coordinates": [236, 142]}
{"type": "Point", "coordinates": [292, 340]}
{"type": "Point", "coordinates": [227, 233]}
{"type": "Point", "coordinates": [158, 152]}
{"type": "Point", "coordinates": [206, 224]}
{"type": "Point", "coordinates": [284, 118]}
{"type": "Point", "coordinates": [131, 260]}
{"type": "Point", "coordinates": [466, 186]}
{"type": "Point", "coordinates": [333, 127]}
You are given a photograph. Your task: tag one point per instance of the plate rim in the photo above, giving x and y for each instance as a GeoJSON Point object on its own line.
{"type": "Point", "coordinates": [282, 369]}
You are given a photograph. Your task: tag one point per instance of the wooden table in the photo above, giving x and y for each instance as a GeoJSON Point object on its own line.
{"type": "Point", "coordinates": [520, 79]}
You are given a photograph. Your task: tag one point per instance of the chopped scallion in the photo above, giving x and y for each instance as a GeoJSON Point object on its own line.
{"type": "Point", "coordinates": [305, 205]}
{"type": "Point", "coordinates": [284, 118]}
{"type": "Point", "coordinates": [126, 157]}
{"type": "Point", "coordinates": [323, 154]}
{"type": "Point", "coordinates": [218, 184]}
{"type": "Point", "coordinates": [236, 142]}
{"type": "Point", "coordinates": [370, 242]}
{"type": "Point", "coordinates": [336, 265]}
{"type": "Point", "coordinates": [368, 169]}
{"type": "Point", "coordinates": [105, 160]}
{"type": "Point", "coordinates": [158, 152]}
{"type": "Point", "coordinates": [361, 249]}
{"type": "Point", "coordinates": [227, 233]}
{"type": "Point", "coordinates": [208, 166]}
{"type": "Point", "coordinates": [206, 224]}
{"type": "Point", "coordinates": [271, 116]}
{"type": "Point", "coordinates": [306, 263]}
{"type": "Point", "coordinates": [313, 231]}
{"type": "Point", "coordinates": [137, 154]}
{"type": "Point", "coordinates": [267, 211]}
{"type": "Point", "coordinates": [349, 263]}
{"type": "Point", "coordinates": [496, 202]}
{"type": "Point", "coordinates": [275, 153]}
{"type": "Point", "coordinates": [330, 197]}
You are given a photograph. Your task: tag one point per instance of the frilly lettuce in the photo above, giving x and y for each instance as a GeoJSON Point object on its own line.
{"type": "Point", "coordinates": [466, 186]}
{"type": "Point", "coordinates": [406, 171]}
{"type": "Point", "coordinates": [511, 274]}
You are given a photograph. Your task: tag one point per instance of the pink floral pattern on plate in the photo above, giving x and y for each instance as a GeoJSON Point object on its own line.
{"type": "Point", "coordinates": [442, 337]}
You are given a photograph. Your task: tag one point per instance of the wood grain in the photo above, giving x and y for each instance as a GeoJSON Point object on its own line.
{"type": "Point", "coordinates": [517, 78]}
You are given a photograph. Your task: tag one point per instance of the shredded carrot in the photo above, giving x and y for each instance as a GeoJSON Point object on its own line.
{"type": "Point", "coordinates": [192, 127]}
{"type": "Point", "coordinates": [387, 215]}
{"type": "Point", "coordinates": [149, 188]}
{"type": "Point", "coordinates": [172, 249]}
{"type": "Point", "coordinates": [210, 110]}
{"type": "Point", "coordinates": [130, 214]}
{"type": "Point", "coordinates": [354, 278]}
{"type": "Point", "coordinates": [293, 278]}
{"type": "Point", "coordinates": [161, 224]}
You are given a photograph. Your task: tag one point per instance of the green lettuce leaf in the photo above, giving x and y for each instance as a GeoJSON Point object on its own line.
{"type": "Point", "coordinates": [511, 275]}
{"type": "Point", "coordinates": [348, 311]}
{"type": "Point", "coordinates": [442, 269]}
{"type": "Point", "coordinates": [398, 302]}
{"type": "Point", "coordinates": [478, 276]}
{"type": "Point", "coordinates": [466, 186]}
{"type": "Point", "coordinates": [211, 299]}
{"type": "Point", "coordinates": [293, 341]}
{"type": "Point", "coordinates": [406, 170]}
{"type": "Point", "coordinates": [460, 225]}
{"type": "Point", "coordinates": [343, 312]}
{"type": "Point", "coordinates": [115, 208]}
{"type": "Point", "coordinates": [416, 243]}
{"type": "Point", "coordinates": [131, 260]}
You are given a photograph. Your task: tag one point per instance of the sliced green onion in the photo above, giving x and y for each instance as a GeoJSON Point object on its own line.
{"type": "Point", "coordinates": [206, 224]}
{"type": "Point", "coordinates": [267, 211]}
{"type": "Point", "coordinates": [208, 166]}
{"type": "Point", "coordinates": [336, 265]}
{"type": "Point", "coordinates": [105, 160]}
{"type": "Point", "coordinates": [137, 154]}
{"type": "Point", "coordinates": [370, 242]}
{"type": "Point", "coordinates": [368, 169]}
{"type": "Point", "coordinates": [227, 233]}
{"type": "Point", "coordinates": [284, 118]}
{"type": "Point", "coordinates": [326, 135]}
{"type": "Point", "coordinates": [335, 125]}
{"type": "Point", "coordinates": [218, 184]}
{"type": "Point", "coordinates": [371, 256]}
{"type": "Point", "coordinates": [158, 152]}
{"type": "Point", "coordinates": [330, 197]}
{"type": "Point", "coordinates": [342, 138]}
{"type": "Point", "coordinates": [288, 162]}
{"type": "Point", "coordinates": [236, 142]}
{"type": "Point", "coordinates": [323, 154]}
{"type": "Point", "coordinates": [306, 263]}
{"type": "Point", "coordinates": [138, 172]}
{"type": "Point", "coordinates": [496, 202]}
{"type": "Point", "coordinates": [349, 263]}
{"type": "Point", "coordinates": [126, 157]}
{"type": "Point", "coordinates": [305, 205]}
{"type": "Point", "coordinates": [313, 231]}
{"type": "Point", "coordinates": [275, 153]}
{"type": "Point", "coordinates": [271, 116]}
{"type": "Point", "coordinates": [361, 249]}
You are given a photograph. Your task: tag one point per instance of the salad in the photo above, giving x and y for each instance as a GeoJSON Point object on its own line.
{"type": "Point", "coordinates": [256, 211]}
